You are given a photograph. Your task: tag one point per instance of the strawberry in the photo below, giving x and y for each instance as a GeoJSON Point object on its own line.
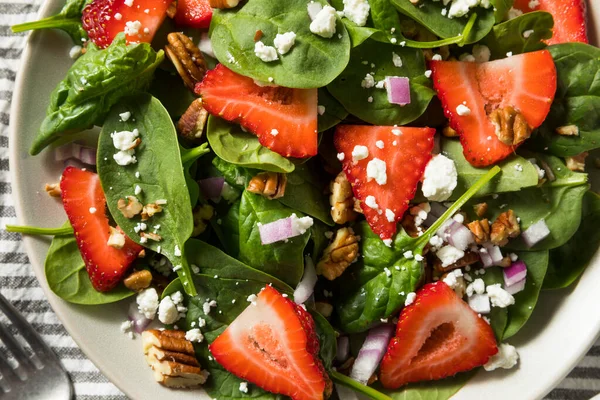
{"type": "Point", "coordinates": [403, 151]}
{"type": "Point", "coordinates": [85, 205]}
{"type": "Point", "coordinates": [526, 82]}
{"type": "Point", "coordinates": [284, 119]}
{"type": "Point", "coordinates": [437, 336]}
{"type": "Point", "coordinates": [273, 344]}
{"type": "Point", "coordinates": [104, 19]}
{"type": "Point", "coordinates": [569, 18]}
{"type": "Point", "coordinates": [193, 13]}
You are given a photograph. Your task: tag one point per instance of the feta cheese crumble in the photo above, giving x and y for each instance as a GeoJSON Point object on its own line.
{"type": "Point", "coordinates": [167, 311]}
{"type": "Point", "coordinates": [460, 8]}
{"type": "Point", "coordinates": [439, 179]}
{"type": "Point", "coordinates": [506, 358]}
{"type": "Point", "coordinates": [75, 52]}
{"type": "Point", "coordinates": [324, 22]}
{"type": "Point", "coordinates": [376, 169]}
{"type": "Point", "coordinates": [371, 202]}
{"type": "Point", "coordinates": [284, 42]}
{"type": "Point", "coordinates": [243, 387]}
{"type": "Point", "coordinates": [499, 297]}
{"type": "Point", "coordinates": [396, 60]}
{"type": "Point", "coordinates": [481, 53]}
{"type": "Point", "coordinates": [389, 215]}
{"type": "Point", "coordinates": [360, 153]}
{"type": "Point", "coordinates": [147, 301]}
{"type": "Point", "coordinates": [448, 255]}
{"type": "Point", "coordinates": [265, 53]}
{"type": "Point", "coordinates": [368, 81]}
{"type": "Point", "coordinates": [410, 298]}
{"type": "Point", "coordinates": [194, 335]}
{"type": "Point", "coordinates": [125, 116]}
{"type": "Point", "coordinates": [357, 11]}
{"type": "Point", "coordinates": [132, 28]}
{"type": "Point", "coordinates": [300, 225]}
{"type": "Point", "coordinates": [463, 110]}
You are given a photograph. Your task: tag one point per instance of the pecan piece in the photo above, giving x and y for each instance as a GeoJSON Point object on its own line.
{"type": "Point", "coordinates": [511, 126]}
{"type": "Point", "coordinates": [201, 214]}
{"type": "Point", "coordinates": [339, 254]}
{"type": "Point", "coordinates": [149, 210]}
{"type": "Point", "coordinates": [138, 280]}
{"type": "Point", "coordinates": [504, 227]}
{"type": "Point", "coordinates": [131, 207]}
{"type": "Point", "coordinates": [342, 200]}
{"type": "Point", "coordinates": [568, 130]}
{"type": "Point", "coordinates": [151, 235]}
{"type": "Point", "coordinates": [469, 258]}
{"type": "Point", "coordinates": [172, 10]}
{"type": "Point", "coordinates": [53, 189]}
{"type": "Point", "coordinates": [577, 163]}
{"type": "Point", "coordinates": [480, 209]}
{"type": "Point", "coordinates": [268, 184]}
{"type": "Point", "coordinates": [191, 124]}
{"type": "Point", "coordinates": [449, 132]}
{"type": "Point", "coordinates": [116, 238]}
{"type": "Point", "coordinates": [224, 3]}
{"type": "Point", "coordinates": [481, 230]}
{"type": "Point", "coordinates": [186, 57]}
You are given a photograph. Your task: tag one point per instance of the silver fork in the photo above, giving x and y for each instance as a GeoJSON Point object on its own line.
{"type": "Point", "coordinates": [39, 377]}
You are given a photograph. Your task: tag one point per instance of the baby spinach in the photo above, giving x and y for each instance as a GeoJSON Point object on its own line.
{"type": "Point", "coordinates": [96, 82]}
{"type": "Point", "coordinates": [432, 390]}
{"type": "Point", "coordinates": [68, 20]}
{"type": "Point", "coordinates": [577, 101]}
{"type": "Point", "coordinates": [501, 8]}
{"type": "Point", "coordinates": [313, 61]}
{"type": "Point", "coordinates": [160, 177]}
{"type": "Point", "coordinates": [568, 261]}
{"type": "Point", "coordinates": [509, 36]}
{"type": "Point", "coordinates": [168, 87]}
{"type": "Point", "coordinates": [372, 105]}
{"type": "Point", "coordinates": [376, 285]}
{"type": "Point", "coordinates": [498, 316]}
{"type": "Point", "coordinates": [334, 111]}
{"type": "Point", "coordinates": [188, 160]}
{"type": "Point", "coordinates": [68, 279]}
{"type": "Point", "coordinates": [235, 146]}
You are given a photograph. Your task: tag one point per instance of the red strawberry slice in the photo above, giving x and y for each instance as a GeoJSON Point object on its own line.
{"type": "Point", "coordinates": [139, 19]}
{"type": "Point", "coordinates": [193, 13]}
{"type": "Point", "coordinates": [403, 151]}
{"type": "Point", "coordinates": [284, 119]}
{"type": "Point", "coordinates": [437, 336]}
{"type": "Point", "coordinates": [273, 344]}
{"type": "Point", "coordinates": [527, 82]}
{"type": "Point", "coordinates": [85, 205]}
{"type": "Point", "coordinates": [569, 18]}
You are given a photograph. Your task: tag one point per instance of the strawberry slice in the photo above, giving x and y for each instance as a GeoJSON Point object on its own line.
{"type": "Point", "coordinates": [284, 119]}
{"type": "Point", "coordinates": [526, 82]}
{"type": "Point", "coordinates": [569, 18]}
{"type": "Point", "coordinates": [273, 344]}
{"type": "Point", "coordinates": [403, 152]}
{"type": "Point", "coordinates": [139, 19]}
{"type": "Point", "coordinates": [193, 13]}
{"type": "Point", "coordinates": [437, 336]}
{"type": "Point", "coordinates": [85, 205]}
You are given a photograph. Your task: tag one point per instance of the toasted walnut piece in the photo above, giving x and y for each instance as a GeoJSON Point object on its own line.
{"type": "Point", "coordinates": [505, 262]}
{"type": "Point", "coordinates": [481, 230]}
{"type": "Point", "coordinates": [151, 235]}
{"type": "Point", "coordinates": [568, 130]}
{"type": "Point", "coordinates": [339, 254]}
{"type": "Point", "coordinates": [138, 280]}
{"type": "Point", "coordinates": [53, 189]}
{"type": "Point", "coordinates": [577, 163]}
{"type": "Point", "coordinates": [342, 200]}
{"type": "Point", "coordinates": [469, 258]}
{"type": "Point", "coordinates": [116, 238]}
{"type": "Point", "coordinates": [131, 207]}
{"type": "Point", "coordinates": [186, 57]}
{"type": "Point", "coordinates": [449, 132]}
{"type": "Point", "coordinates": [357, 208]}
{"type": "Point", "coordinates": [149, 210]}
{"type": "Point", "coordinates": [511, 127]}
{"type": "Point", "coordinates": [480, 209]}
{"type": "Point", "coordinates": [325, 309]}
{"type": "Point", "coordinates": [202, 213]}
{"type": "Point", "coordinates": [172, 10]}
{"type": "Point", "coordinates": [142, 253]}
{"type": "Point", "coordinates": [268, 184]}
{"type": "Point", "coordinates": [224, 3]}
{"type": "Point", "coordinates": [191, 124]}
{"type": "Point", "coordinates": [504, 227]}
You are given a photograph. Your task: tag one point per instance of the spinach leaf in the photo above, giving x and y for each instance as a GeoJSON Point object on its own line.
{"type": "Point", "coordinates": [168, 87]}
{"type": "Point", "coordinates": [188, 160]}
{"type": "Point", "coordinates": [568, 261]}
{"type": "Point", "coordinates": [498, 316]}
{"type": "Point", "coordinates": [433, 390]}
{"type": "Point", "coordinates": [372, 105]}
{"type": "Point", "coordinates": [68, 20]}
{"type": "Point", "coordinates": [313, 62]}
{"type": "Point", "coordinates": [235, 146]}
{"type": "Point", "coordinates": [284, 260]}
{"type": "Point", "coordinates": [96, 82]}
{"type": "Point", "coordinates": [577, 101]}
{"type": "Point", "coordinates": [67, 277]}
{"type": "Point", "coordinates": [509, 36]}
{"type": "Point", "coordinates": [160, 177]}
{"type": "Point", "coordinates": [334, 111]}
{"type": "Point", "coordinates": [327, 339]}
{"type": "Point", "coordinates": [429, 14]}
{"type": "Point", "coordinates": [501, 8]}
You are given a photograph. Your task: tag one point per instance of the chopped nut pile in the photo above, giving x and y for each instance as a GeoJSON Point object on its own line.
{"type": "Point", "coordinates": [342, 200]}
{"type": "Point", "coordinates": [186, 57]}
{"type": "Point", "coordinates": [511, 127]}
{"type": "Point", "coordinates": [339, 254]}
{"type": "Point", "coordinates": [268, 184]}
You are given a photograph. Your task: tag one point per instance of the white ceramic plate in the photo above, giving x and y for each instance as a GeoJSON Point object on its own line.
{"type": "Point", "coordinates": [563, 327]}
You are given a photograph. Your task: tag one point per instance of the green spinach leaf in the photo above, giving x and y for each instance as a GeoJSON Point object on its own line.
{"type": "Point", "coordinates": [188, 159]}
{"type": "Point", "coordinates": [501, 8]}
{"type": "Point", "coordinates": [96, 82]}
{"type": "Point", "coordinates": [313, 62]}
{"type": "Point", "coordinates": [334, 112]}
{"type": "Point", "coordinates": [68, 20]}
{"type": "Point", "coordinates": [498, 316]}
{"type": "Point", "coordinates": [434, 390]}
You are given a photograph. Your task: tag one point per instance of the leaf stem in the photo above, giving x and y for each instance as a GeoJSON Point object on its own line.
{"type": "Point", "coordinates": [50, 22]}
{"type": "Point", "coordinates": [357, 386]}
{"type": "Point", "coordinates": [189, 155]}
{"type": "Point", "coordinates": [34, 230]}
{"type": "Point", "coordinates": [468, 28]}
{"type": "Point", "coordinates": [460, 39]}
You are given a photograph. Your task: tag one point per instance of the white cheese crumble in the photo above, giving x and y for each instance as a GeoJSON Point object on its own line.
{"type": "Point", "coordinates": [341, 156]}
{"type": "Point", "coordinates": [410, 298]}
{"type": "Point", "coordinates": [371, 202]}
{"type": "Point", "coordinates": [439, 179]}
{"type": "Point", "coordinates": [132, 28]}
{"type": "Point", "coordinates": [321, 110]}
{"type": "Point", "coordinates": [436, 57]}
{"type": "Point", "coordinates": [324, 22]}
{"type": "Point", "coordinates": [147, 301]}
{"type": "Point", "coordinates": [137, 190]}
{"type": "Point", "coordinates": [463, 110]}
{"type": "Point", "coordinates": [376, 169]}
{"type": "Point", "coordinates": [128, 3]}
{"type": "Point", "coordinates": [265, 53]}
{"type": "Point", "coordinates": [300, 225]}
{"type": "Point", "coordinates": [368, 81]}
{"type": "Point", "coordinates": [360, 153]}
{"type": "Point", "coordinates": [448, 255]}
{"type": "Point", "coordinates": [357, 11]}
{"type": "Point", "coordinates": [75, 52]}
{"type": "Point", "coordinates": [380, 144]}
{"type": "Point", "coordinates": [506, 358]}
{"type": "Point", "coordinates": [194, 335]}
{"type": "Point", "coordinates": [124, 140]}
{"type": "Point", "coordinates": [514, 13]}
{"type": "Point", "coordinates": [252, 299]}
{"type": "Point", "coordinates": [118, 16]}
{"type": "Point", "coordinates": [528, 33]}
{"type": "Point", "coordinates": [455, 280]}
{"type": "Point", "coordinates": [125, 116]}
{"type": "Point", "coordinates": [461, 8]}
{"type": "Point", "coordinates": [481, 53]}
{"type": "Point", "coordinates": [177, 251]}
{"type": "Point", "coordinates": [167, 311]}
{"type": "Point", "coordinates": [389, 215]}
{"type": "Point", "coordinates": [243, 387]}
{"type": "Point", "coordinates": [284, 42]}
{"type": "Point", "coordinates": [477, 287]}
{"type": "Point", "coordinates": [480, 303]}
{"type": "Point", "coordinates": [499, 297]}
{"type": "Point", "coordinates": [396, 60]}
{"type": "Point", "coordinates": [313, 9]}
{"type": "Point", "coordinates": [274, 132]}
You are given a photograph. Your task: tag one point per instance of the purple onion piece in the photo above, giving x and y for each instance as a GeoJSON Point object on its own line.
{"type": "Point", "coordinates": [276, 231]}
{"type": "Point", "coordinates": [398, 90]}
{"type": "Point", "coordinates": [371, 353]}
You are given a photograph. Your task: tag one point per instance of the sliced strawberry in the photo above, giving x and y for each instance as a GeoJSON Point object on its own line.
{"type": "Point", "coordinates": [569, 18]}
{"type": "Point", "coordinates": [273, 344]}
{"type": "Point", "coordinates": [85, 205]}
{"type": "Point", "coordinates": [405, 153]}
{"type": "Point", "coordinates": [193, 13]}
{"type": "Point", "coordinates": [437, 336]}
{"type": "Point", "coordinates": [284, 119]}
{"type": "Point", "coordinates": [526, 82]}
{"type": "Point", "coordinates": [105, 19]}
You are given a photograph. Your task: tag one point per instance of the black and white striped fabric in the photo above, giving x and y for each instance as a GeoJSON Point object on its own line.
{"type": "Point", "coordinates": [20, 286]}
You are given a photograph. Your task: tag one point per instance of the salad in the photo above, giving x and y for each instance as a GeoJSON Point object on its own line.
{"type": "Point", "coordinates": [307, 199]}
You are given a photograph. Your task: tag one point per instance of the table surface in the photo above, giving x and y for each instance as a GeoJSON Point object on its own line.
{"type": "Point", "coordinates": [19, 285]}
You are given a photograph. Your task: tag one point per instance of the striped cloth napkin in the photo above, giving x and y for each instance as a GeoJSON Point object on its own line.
{"type": "Point", "coordinates": [19, 285]}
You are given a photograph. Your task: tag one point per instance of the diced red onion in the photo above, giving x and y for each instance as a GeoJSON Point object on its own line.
{"type": "Point", "coordinates": [515, 273]}
{"type": "Point", "coordinates": [517, 287]}
{"type": "Point", "coordinates": [345, 392]}
{"type": "Point", "coordinates": [460, 236]}
{"type": "Point", "coordinates": [343, 348]}
{"type": "Point", "coordinates": [495, 253]}
{"type": "Point", "coordinates": [205, 45]}
{"type": "Point", "coordinates": [480, 303]}
{"type": "Point", "coordinates": [140, 322]}
{"type": "Point", "coordinates": [276, 231]}
{"type": "Point", "coordinates": [535, 233]}
{"type": "Point", "coordinates": [398, 90]}
{"type": "Point", "coordinates": [486, 259]}
{"type": "Point", "coordinates": [306, 287]}
{"type": "Point", "coordinates": [371, 353]}
{"type": "Point", "coordinates": [212, 187]}
{"type": "Point", "coordinates": [314, 8]}
{"type": "Point", "coordinates": [87, 155]}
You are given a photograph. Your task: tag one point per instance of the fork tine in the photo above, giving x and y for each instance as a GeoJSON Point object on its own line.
{"type": "Point", "coordinates": [8, 374]}
{"type": "Point", "coordinates": [16, 349]}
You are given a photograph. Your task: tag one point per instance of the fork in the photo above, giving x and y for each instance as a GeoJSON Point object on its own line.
{"type": "Point", "coordinates": [39, 377]}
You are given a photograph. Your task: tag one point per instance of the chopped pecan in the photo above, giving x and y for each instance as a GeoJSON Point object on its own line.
{"type": "Point", "coordinates": [449, 132]}
{"type": "Point", "coordinates": [480, 209]}
{"type": "Point", "coordinates": [577, 163]}
{"type": "Point", "coordinates": [53, 189]}
{"type": "Point", "coordinates": [224, 3]}
{"type": "Point", "coordinates": [568, 130]}
{"type": "Point", "coordinates": [191, 124]}
{"type": "Point", "coordinates": [342, 200]}
{"type": "Point", "coordinates": [469, 258]}
{"type": "Point", "coordinates": [511, 126]}
{"type": "Point", "coordinates": [481, 230]}
{"type": "Point", "coordinates": [116, 238]}
{"type": "Point", "coordinates": [131, 207]}
{"type": "Point", "coordinates": [504, 227]}
{"type": "Point", "coordinates": [172, 358]}
{"type": "Point", "coordinates": [186, 57]}
{"type": "Point", "coordinates": [325, 309]}
{"type": "Point", "coordinates": [172, 10]}
{"type": "Point", "coordinates": [138, 280]}
{"type": "Point", "coordinates": [149, 210]}
{"type": "Point", "coordinates": [202, 213]}
{"type": "Point", "coordinates": [339, 254]}
{"type": "Point", "coordinates": [151, 235]}
{"type": "Point", "coordinates": [268, 184]}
